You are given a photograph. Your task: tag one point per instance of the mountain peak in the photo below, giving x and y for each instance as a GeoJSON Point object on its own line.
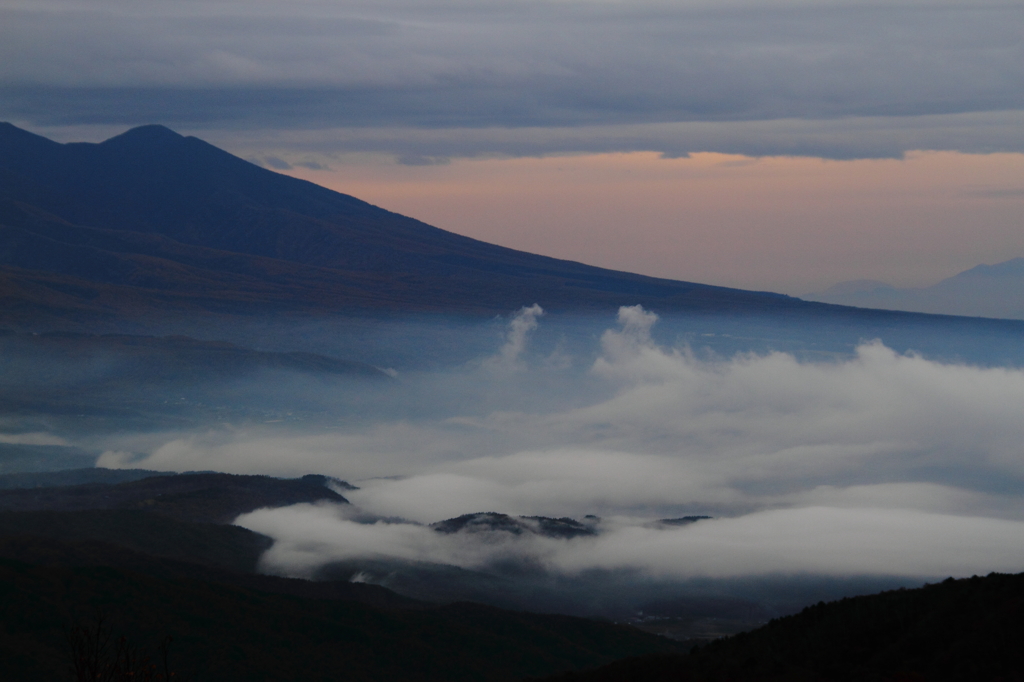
{"type": "Point", "coordinates": [153, 133]}
{"type": "Point", "coordinates": [15, 142]}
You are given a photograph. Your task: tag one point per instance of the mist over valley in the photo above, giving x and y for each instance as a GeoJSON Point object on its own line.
{"type": "Point", "coordinates": [819, 465]}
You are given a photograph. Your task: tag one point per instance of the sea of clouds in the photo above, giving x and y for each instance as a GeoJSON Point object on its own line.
{"type": "Point", "coordinates": [879, 463]}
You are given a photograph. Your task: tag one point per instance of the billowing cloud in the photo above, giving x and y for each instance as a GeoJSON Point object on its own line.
{"type": "Point", "coordinates": [554, 67]}
{"type": "Point", "coordinates": [519, 328]}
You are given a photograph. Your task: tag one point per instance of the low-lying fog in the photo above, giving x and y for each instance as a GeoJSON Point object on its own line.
{"type": "Point", "coordinates": [811, 461]}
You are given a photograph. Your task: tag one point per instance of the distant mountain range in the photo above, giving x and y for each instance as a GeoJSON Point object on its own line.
{"type": "Point", "coordinates": [983, 291]}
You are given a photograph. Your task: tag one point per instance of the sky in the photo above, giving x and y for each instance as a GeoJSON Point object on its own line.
{"type": "Point", "coordinates": [769, 145]}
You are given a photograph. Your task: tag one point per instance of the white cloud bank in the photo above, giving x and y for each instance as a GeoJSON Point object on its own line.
{"type": "Point", "coordinates": [880, 463]}
{"type": "Point", "coordinates": [811, 540]}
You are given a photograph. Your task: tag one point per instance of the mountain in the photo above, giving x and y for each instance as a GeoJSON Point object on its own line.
{"type": "Point", "coordinates": [193, 564]}
{"type": "Point", "coordinates": [153, 222]}
{"type": "Point", "coordinates": [950, 631]}
{"type": "Point", "coordinates": [493, 522]}
{"type": "Point", "coordinates": [168, 525]}
{"type": "Point", "coordinates": [151, 534]}
{"type": "Point", "coordinates": [138, 562]}
{"type": "Point", "coordinates": [228, 633]}
{"type": "Point", "coordinates": [983, 291]}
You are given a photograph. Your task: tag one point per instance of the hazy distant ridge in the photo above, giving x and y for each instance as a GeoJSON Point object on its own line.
{"type": "Point", "coordinates": [983, 291]}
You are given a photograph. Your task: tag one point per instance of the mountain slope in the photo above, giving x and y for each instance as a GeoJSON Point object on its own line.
{"type": "Point", "coordinates": [955, 630]}
{"type": "Point", "coordinates": [151, 220]}
{"type": "Point", "coordinates": [165, 571]}
{"type": "Point", "coordinates": [229, 633]}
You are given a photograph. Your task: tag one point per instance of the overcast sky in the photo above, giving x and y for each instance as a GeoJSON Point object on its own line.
{"type": "Point", "coordinates": [424, 106]}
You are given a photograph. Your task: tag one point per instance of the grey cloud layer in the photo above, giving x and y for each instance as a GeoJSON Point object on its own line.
{"type": "Point", "coordinates": [877, 463]}
{"type": "Point", "coordinates": [498, 65]}
{"type": "Point", "coordinates": [840, 138]}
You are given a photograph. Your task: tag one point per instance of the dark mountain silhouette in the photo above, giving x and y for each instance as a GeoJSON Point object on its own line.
{"type": "Point", "coordinates": [682, 520]}
{"type": "Point", "coordinates": [223, 546]}
{"type": "Point", "coordinates": [166, 525]}
{"type": "Point", "coordinates": [153, 221]}
{"type": "Point", "coordinates": [145, 556]}
{"type": "Point", "coordinates": [235, 632]}
{"type": "Point", "coordinates": [490, 522]}
{"type": "Point", "coordinates": [966, 629]}
{"type": "Point", "coordinates": [40, 550]}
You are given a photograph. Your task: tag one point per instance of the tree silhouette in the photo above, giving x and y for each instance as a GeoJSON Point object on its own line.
{"type": "Point", "coordinates": [98, 656]}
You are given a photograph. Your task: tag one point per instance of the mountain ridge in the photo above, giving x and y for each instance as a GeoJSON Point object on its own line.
{"type": "Point", "coordinates": [168, 222]}
{"type": "Point", "coordinates": [993, 291]}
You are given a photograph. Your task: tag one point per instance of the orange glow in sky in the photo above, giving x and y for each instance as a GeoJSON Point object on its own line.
{"type": "Point", "coordinates": [793, 225]}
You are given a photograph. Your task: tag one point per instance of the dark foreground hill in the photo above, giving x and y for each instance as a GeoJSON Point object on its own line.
{"type": "Point", "coordinates": [150, 221]}
{"type": "Point", "coordinates": [968, 629]}
{"type": "Point", "coordinates": [154, 559]}
{"type": "Point", "coordinates": [228, 633]}
{"type": "Point", "coordinates": [182, 517]}
{"type": "Point", "coordinates": [226, 547]}
{"type": "Point", "coordinates": [172, 526]}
